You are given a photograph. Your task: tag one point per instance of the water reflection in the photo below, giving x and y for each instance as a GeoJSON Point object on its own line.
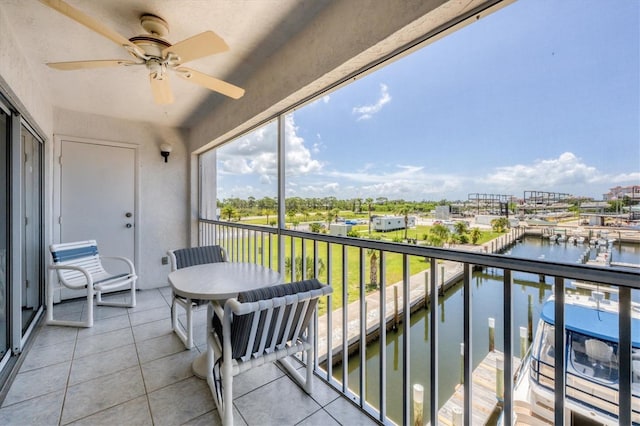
{"type": "Point", "coordinates": [529, 293]}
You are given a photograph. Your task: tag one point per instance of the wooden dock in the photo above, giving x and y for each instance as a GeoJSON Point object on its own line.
{"type": "Point", "coordinates": [484, 393]}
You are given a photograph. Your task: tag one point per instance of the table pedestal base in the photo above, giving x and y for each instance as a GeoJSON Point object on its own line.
{"type": "Point", "coordinates": [199, 366]}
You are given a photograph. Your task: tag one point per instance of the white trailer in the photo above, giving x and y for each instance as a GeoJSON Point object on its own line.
{"type": "Point", "coordinates": [391, 223]}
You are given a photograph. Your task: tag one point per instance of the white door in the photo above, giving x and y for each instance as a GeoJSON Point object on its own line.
{"type": "Point", "coordinates": [97, 197]}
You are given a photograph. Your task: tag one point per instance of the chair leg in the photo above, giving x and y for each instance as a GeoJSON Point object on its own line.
{"type": "Point", "coordinates": [131, 304]}
{"type": "Point", "coordinates": [184, 333]}
{"type": "Point", "coordinates": [227, 390]}
{"type": "Point", "coordinates": [86, 323]}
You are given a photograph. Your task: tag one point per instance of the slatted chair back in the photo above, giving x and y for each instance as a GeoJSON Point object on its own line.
{"type": "Point", "coordinates": [269, 319]}
{"type": "Point", "coordinates": [257, 327]}
{"type": "Point", "coordinates": [182, 258]}
{"type": "Point", "coordinates": [83, 254]}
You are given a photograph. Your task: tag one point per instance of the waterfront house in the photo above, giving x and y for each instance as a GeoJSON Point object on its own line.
{"type": "Point", "coordinates": [57, 127]}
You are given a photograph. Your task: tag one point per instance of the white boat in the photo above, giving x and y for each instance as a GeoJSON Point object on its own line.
{"type": "Point", "coordinates": [591, 324]}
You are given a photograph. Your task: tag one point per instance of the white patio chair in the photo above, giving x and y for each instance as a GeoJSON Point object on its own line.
{"type": "Point", "coordinates": [257, 327]}
{"type": "Point", "coordinates": [78, 266]}
{"type": "Point", "coordinates": [183, 258]}
{"type": "Point", "coordinates": [598, 352]}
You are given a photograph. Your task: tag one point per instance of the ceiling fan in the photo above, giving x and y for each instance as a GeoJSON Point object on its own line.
{"type": "Point", "coordinates": [154, 52]}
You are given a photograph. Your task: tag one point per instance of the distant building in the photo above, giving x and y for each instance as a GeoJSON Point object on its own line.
{"type": "Point", "coordinates": [620, 192]}
{"type": "Point", "coordinates": [339, 229]}
{"type": "Point", "coordinates": [443, 212]}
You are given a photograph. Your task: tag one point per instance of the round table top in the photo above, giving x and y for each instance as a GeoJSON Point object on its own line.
{"type": "Point", "coordinates": [222, 280]}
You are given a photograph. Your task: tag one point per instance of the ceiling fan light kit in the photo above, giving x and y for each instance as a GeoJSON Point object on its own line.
{"type": "Point", "coordinates": [154, 52]}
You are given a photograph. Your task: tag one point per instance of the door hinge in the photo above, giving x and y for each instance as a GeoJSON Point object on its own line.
{"type": "Point", "coordinates": [26, 283]}
{"type": "Point", "coordinates": [26, 221]}
{"type": "Point", "coordinates": [60, 160]}
{"type": "Point", "coordinates": [59, 220]}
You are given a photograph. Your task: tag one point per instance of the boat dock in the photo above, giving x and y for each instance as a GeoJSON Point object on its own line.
{"type": "Point", "coordinates": [484, 394]}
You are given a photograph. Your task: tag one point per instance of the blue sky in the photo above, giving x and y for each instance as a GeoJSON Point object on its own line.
{"type": "Point", "coordinates": [541, 95]}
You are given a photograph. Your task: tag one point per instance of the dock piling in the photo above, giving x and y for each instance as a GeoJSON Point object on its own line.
{"type": "Point", "coordinates": [492, 334]}
{"type": "Point", "coordinates": [418, 411]}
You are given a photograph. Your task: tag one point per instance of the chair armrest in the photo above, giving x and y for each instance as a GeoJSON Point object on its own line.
{"type": "Point", "coordinates": [132, 269]}
{"type": "Point", "coordinates": [75, 268]}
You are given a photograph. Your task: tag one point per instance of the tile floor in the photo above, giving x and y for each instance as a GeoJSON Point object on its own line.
{"type": "Point", "coordinates": [130, 369]}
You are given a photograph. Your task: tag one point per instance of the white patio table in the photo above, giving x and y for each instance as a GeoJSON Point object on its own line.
{"type": "Point", "coordinates": [219, 281]}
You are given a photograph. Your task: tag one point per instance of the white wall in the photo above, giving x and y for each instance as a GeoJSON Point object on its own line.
{"type": "Point", "coordinates": [163, 192]}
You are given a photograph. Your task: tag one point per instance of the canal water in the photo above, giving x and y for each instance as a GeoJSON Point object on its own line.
{"type": "Point", "coordinates": [486, 303]}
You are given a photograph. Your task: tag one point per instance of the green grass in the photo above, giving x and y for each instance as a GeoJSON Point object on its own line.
{"type": "Point", "coordinates": [393, 262]}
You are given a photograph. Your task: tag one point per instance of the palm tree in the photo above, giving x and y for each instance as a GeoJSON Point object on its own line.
{"type": "Point", "coordinates": [308, 267]}
{"type": "Point", "coordinates": [461, 227]}
{"type": "Point", "coordinates": [438, 234]}
{"type": "Point", "coordinates": [228, 212]}
{"type": "Point", "coordinates": [369, 201]}
{"type": "Point", "coordinates": [404, 210]}
{"type": "Point", "coordinates": [475, 235]}
{"type": "Point", "coordinates": [373, 267]}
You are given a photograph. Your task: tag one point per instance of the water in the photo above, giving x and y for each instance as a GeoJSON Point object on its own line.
{"type": "Point", "coordinates": [487, 302]}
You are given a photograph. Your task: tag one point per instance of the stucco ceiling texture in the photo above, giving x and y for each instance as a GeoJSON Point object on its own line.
{"type": "Point", "coordinates": [253, 30]}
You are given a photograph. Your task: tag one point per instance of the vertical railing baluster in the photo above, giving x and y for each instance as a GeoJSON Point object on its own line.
{"type": "Point", "coordinates": [382, 271]}
{"type": "Point", "coordinates": [508, 347]}
{"type": "Point", "coordinates": [406, 340]}
{"type": "Point", "coordinates": [433, 341]}
{"type": "Point", "coordinates": [303, 255]}
{"type": "Point", "coordinates": [468, 345]}
{"type": "Point", "coordinates": [345, 320]}
{"type": "Point", "coordinates": [559, 367]}
{"type": "Point", "coordinates": [624, 355]}
{"type": "Point", "coordinates": [292, 258]}
{"type": "Point", "coordinates": [329, 317]}
{"type": "Point", "coordinates": [363, 329]}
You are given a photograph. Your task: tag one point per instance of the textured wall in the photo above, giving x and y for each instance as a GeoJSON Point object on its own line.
{"type": "Point", "coordinates": [163, 192]}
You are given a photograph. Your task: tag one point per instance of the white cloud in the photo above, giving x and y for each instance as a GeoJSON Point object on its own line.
{"type": "Point", "coordinates": [567, 173]}
{"type": "Point", "coordinates": [299, 158]}
{"type": "Point", "coordinates": [365, 112]}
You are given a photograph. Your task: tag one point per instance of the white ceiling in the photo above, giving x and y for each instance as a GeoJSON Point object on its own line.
{"type": "Point", "coordinates": [253, 29]}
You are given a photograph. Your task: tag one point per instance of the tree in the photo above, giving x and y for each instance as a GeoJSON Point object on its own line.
{"type": "Point", "coordinates": [461, 227]}
{"type": "Point", "coordinates": [404, 210]}
{"type": "Point", "coordinates": [500, 224]}
{"type": "Point", "coordinates": [308, 267]}
{"type": "Point", "coordinates": [369, 201]}
{"type": "Point", "coordinates": [475, 235]}
{"type": "Point", "coordinates": [315, 227]}
{"type": "Point", "coordinates": [438, 234]}
{"type": "Point", "coordinates": [373, 267]}
{"type": "Point", "coordinates": [228, 212]}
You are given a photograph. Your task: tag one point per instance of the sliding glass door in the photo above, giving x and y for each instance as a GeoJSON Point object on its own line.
{"type": "Point", "coordinates": [4, 213]}
{"type": "Point", "coordinates": [32, 278]}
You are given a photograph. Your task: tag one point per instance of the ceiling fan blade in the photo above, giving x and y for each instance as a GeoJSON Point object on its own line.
{"type": "Point", "coordinates": [80, 65]}
{"type": "Point", "coordinates": [93, 24]}
{"type": "Point", "coordinates": [198, 46]}
{"type": "Point", "coordinates": [209, 82]}
{"type": "Point", "coordinates": [161, 90]}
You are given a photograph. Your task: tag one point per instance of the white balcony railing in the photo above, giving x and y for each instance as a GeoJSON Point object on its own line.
{"type": "Point", "coordinates": [345, 326]}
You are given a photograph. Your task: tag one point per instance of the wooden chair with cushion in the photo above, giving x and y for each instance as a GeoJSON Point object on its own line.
{"type": "Point", "coordinates": [183, 258]}
{"type": "Point", "coordinates": [78, 266]}
{"type": "Point", "coordinates": [257, 327]}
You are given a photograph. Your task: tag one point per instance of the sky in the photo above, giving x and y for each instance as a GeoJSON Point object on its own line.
{"type": "Point", "coordinates": [542, 95]}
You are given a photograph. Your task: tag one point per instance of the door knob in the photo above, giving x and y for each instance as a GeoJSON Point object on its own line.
{"type": "Point", "coordinates": [128, 225]}
{"type": "Point", "coordinates": [128, 214]}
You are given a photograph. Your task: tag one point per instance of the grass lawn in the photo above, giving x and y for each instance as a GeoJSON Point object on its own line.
{"type": "Point", "coordinates": [393, 262]}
